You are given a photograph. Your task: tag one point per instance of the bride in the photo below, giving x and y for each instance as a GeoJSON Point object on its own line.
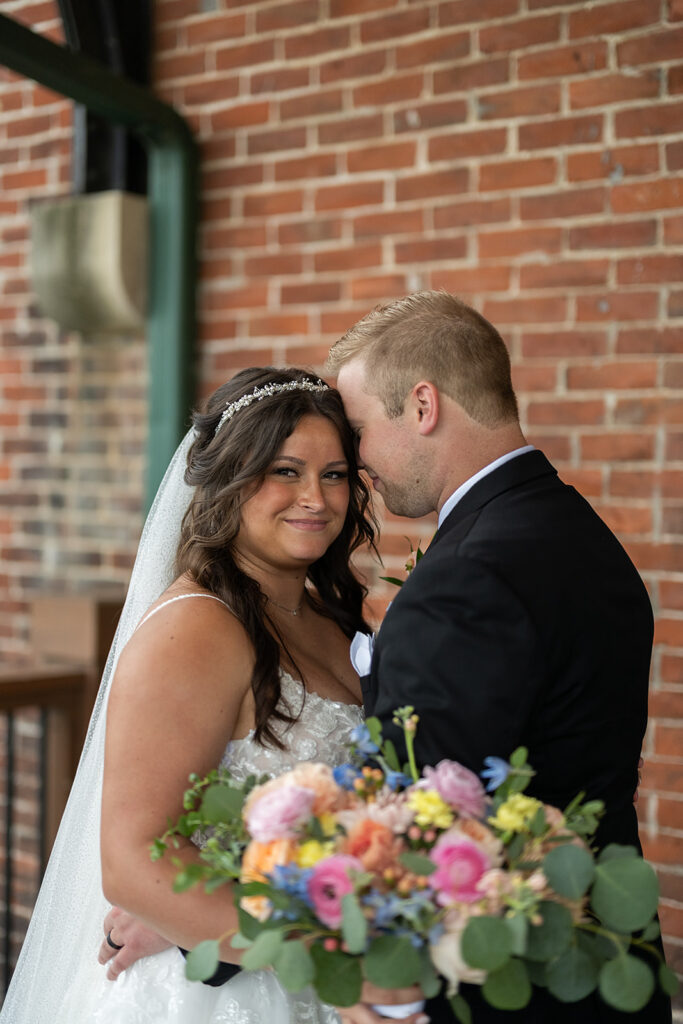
{"type": "Point", "coordinates": [232, 647]}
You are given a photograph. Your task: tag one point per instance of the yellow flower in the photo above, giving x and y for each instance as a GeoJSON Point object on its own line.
{"type": "Point", "coordinates": [310, 852]}
{"type": "Point", "coordinates": [516, 814]}
{"type": "Point", "coordinates": [328, 823]}
{"type": "Point", "coordinates": [430, 809]}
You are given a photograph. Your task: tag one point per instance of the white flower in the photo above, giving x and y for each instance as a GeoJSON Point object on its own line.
{"type": "Point", "coordinates": [447, 956]}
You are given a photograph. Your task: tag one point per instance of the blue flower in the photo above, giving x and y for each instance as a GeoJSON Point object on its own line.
{"type": "Point", "coordinates": [345, 775]}
{"type": "Point", "coordinates": [360, 737]}
{"type": "Point", "coordinates": [396, 779]}
{"type": "Point", "coordinates": [293, 880]}
{"type": "Point", "coordinates": [496, 771]}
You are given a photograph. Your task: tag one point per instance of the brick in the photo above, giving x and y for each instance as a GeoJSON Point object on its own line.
{"type": "Point", "coordinates": [617, 306]}
{"type": "Point", "coordinates": [673, 375]}
{"type": "Point", "coordinates": [663, 119]}
{"type": "Point", "coordinates": [25, 126]}
{"type": "Point", "coordinates": [586, 481]}
{"type": "Point", "coordinates": [369, 255]}
{"type": "Point", "coordinates": [460, 144]}
{"type": "Point", "coordinates": [631, 483]}
{"type": "Point", "coordinates": [613, 163]}
{"type": "Point", "coordinates": [390, 26]}
{"type": "Point", "coordinates": [24, 180]}
{"type": "Point", "coordinates": [562, 131]}
{"type": "Point", "coordinates": [286, 15]}
{"type": "Point", "coordinates": [430, 115]}
{"type": "Point", "coordinates": [472, 280]}
{"type": "Point", "coordinates": [675, 80]}
{"type": "Point", "coordinates": [514, 242]}
{"type": "Point", "coordinates": [562, 205]}
{"type": "Point", "coordinates": [274, 326]}
{"type": "Point", "coordinates": [619, 376]}
{"type": "Point", "coordinates": [391, 90]}
{"type": "Point", "coordinates": [426, 186]}
{"type": "Point", "coordinates": [248, 55]}
{"type": "Point", "coordinates": [557, 449]}
{"type": "Point", "coordinates": [312, 104]}
{"type": "Point", "coordinates": [274, 264]}
{"type": "Point", "coordinates": [675, 10]}
{"type": "Point", "coordinates": [212, 329]}
{"type": "Point", "coordinates": [217, 28]}
{"type": "Point", "coordinates": [216, 268]}
{"type": "Point", "coordinates": [669, 632]}
{"type": "Point", "coordinates": [319, 165]}
{"type": "Point", "coordinates": [403, 222]}
{"type": "Point", "coordinates": [671, 668]}
{"type": "Point", "coordinates": [527, 101]}
{"type": "Point", "coordinates": [447, 46]}
{"type": "Point", "coordinates": [241, 236]}
{"type": "Point", "coordinates": [306, 356]}
{"type": "Point", "coordinates": [674, 156]}
{"type": "Point", "coordinates": [617, 447]}
{"type": "Point", "coordinates": [460, 12]}
{"type": "Point", "coordinates": [346, 8]}
{"type": "Point", "coordinates": [239, 115]}
{"type": "Point", "coordinates": [320, 41]}
{"type": "Point", "coordinates": [233, 360]}
{"type": "Point", "coordinates": [222, 179]}
{"type": "Point", "coordinates": [519, 35]}
{"type": "Point", "coordinates": [525, 310]}
{"type": "Point", "coordinates": [668, 703]}
{"type": "Point", "coordinates": [534, 378]}
{"type": "Point", "coordinates": [350, 129]}
{"type": "Point", "coordinates": [380, 288]}
{"type": "Point", "coordinates": [650, 269]}
{"type": "Point", "coordinates": [279, 80]}
{"type": "Point", "coordinates": [613, 235]}
{"type": "Point", "coordinates": [473, 211]}
{"type": "Point", "coordinates": [673, 230]}
{"type": "Point", "coordinates": [276, 140]}
{"type": "Point", "coordinates": [674, 447]}
{"type": "Point", "coordinates": [649, 411]}
{"type": "Point", "coordinates": [310, 293]}
{"type": "Point", "coordinates": [563, 60]}
{"type": "Point", "coordinates": [268, 203]}
{"type": "Point", "coordinates": [562, 411]}
{"type": "Point", "coordinates": [428, 251]}
{"type": "Point", "coordinates": [358, 66]}
{"type": "Point", "coordinates": [517, 174]}
{"type": "Point", "coordinates": [305, 232]}
{"type": "Point", "coordinates": [209, 90]}
{"type": "Point", "coordinates": [247, 297]}
{"type": "Point", "coordinates": [179, 65]}
{"type": "Point", "coordinates": [564, 274]}
{"type": "Point", "coordinates": [607, 89]}
{"type": "Point", "coordinates": [672, 520]}
{"type": "Point", "coordinates": [653, 48]}
{"type": "Point", "coordinates": [626, 521]}
{"type": "Point", "coordinates": [647, 195]}
{"type": "Point", "coordinates": [366, 193]}
{"type": "Point", "coordinates": [478, 74]}
{"type": "Point", "coordinates": [609, 19]}
{"type": "Point", "coordinates": [377, 158]}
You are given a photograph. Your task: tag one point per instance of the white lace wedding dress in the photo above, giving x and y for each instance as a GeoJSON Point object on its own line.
{"type": "Point", "coordinates": [154, 990]}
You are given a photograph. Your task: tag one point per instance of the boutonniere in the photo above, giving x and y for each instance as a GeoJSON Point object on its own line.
{"type": "Point", "coordinates": [413, 558]}
{"type": "Point", "coordinates": [361, 650]}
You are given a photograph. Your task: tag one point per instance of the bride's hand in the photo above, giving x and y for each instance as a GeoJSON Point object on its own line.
{"type": "Point", "coordinates": [363, 1013]}
{"type": "Point", "coordinates": [134, 938]}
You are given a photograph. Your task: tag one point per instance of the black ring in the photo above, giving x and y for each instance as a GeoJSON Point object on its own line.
{"type": "Point", "coordinates": [110, 941]}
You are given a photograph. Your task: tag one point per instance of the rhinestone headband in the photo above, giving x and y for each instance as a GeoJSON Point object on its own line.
{"type": "Point", "coordinates": [265, 392]}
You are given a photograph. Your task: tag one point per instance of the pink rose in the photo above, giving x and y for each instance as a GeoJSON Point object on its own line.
{"type": "Point", "coordinates": [460, 864]}
{"type": "Point", "coordinates": [329, 883]}
{"type": "Point", "coordinates": [278, 813]}
{"type": "Point", "coordinates": [458, 786]}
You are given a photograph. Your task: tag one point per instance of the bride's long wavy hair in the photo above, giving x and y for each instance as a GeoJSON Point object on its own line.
{"type": "Point", "coordinates": [226, 467]}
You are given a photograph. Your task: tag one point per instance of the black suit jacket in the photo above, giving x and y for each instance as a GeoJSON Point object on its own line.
{"type": "Point", "coordinates": [526, 623]}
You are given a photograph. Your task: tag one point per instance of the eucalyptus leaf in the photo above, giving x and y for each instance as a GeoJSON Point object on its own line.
{"type": "Point", "coordinates": [509, 987]}
{"type": "Point", "coordinates": [418, 863]}
{"type": "Point", "coordinates": [652, 932]}
{"type": "Point", "coordinates": [374, 727]}
{"type": "Point", "coordinates": [391, 756]}
{"type": "Point", "coordinates": [354, 924]}
{"type": "Point", "coordinates": [486, 943]}
{"type": "Point", "coordinates": [338, 979]}
{"type": "Point", "coordinates": [249, 926]}
{"type": "Point", "coordinates": [202, 961]}
{"type": "Point", "coordinates": [626, 983]}
{"type": "Point", "coordinates": [221, 802]}
{"type": "Point", "coordinates": [625, 893]}
{"type": "Point", "coordinates": [294, 965]}
{"type": "Point", "coordinates": [668, 980]}
{"type": "Point", "coordinates": [616, 850]}
{"type": "Point", "coordinates": [572, 976]}
{"type": "Point", "coordinates": [569, 870]}
{"type": "Point", "coordinates": [460, 1009]}
{"type": "Point", "coordinates": [429, 981]}
{"type": "Point", "coordinates": [518, 925]}
{"type": "Point", "coordinates": [264, 951]}
{"type": "Point", "coordinates": [392, 962]}
{"type": "Point", "coordinates": [551, 937]}
{"type": "Point", "coordinates": [239, 941]}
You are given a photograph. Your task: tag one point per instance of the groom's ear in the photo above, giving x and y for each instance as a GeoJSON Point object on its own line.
{"type": "Point", "coordinates": [425, 401]}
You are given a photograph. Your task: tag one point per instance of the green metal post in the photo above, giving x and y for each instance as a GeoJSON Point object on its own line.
{"type": "Point", "coordinates": [173, 162]}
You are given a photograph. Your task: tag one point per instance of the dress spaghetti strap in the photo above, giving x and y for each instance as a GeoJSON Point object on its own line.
{"type": "Point", "coordinates": [178, 597]}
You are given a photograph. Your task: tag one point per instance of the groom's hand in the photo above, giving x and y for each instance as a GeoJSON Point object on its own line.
{"type": "Point", "coordinates": [362, 1013]}
{"type": "Point", "coordinates": [135, 939]}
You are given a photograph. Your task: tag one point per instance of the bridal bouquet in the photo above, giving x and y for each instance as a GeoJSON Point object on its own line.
{"type": "Point", "coordinates": [375, 871]}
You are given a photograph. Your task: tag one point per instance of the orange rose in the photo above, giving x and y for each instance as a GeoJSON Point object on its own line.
{"type": "Point", "coordinates": [373, 844]}
{"type": "Point", "coordinates": [259, 859]}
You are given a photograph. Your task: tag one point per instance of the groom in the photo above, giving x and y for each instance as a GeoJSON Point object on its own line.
{"type": "Point", "coordinates": [525, 623]}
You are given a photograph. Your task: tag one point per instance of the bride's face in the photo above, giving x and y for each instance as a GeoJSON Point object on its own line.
{"type": "Point", "coordinates": [300, 507]}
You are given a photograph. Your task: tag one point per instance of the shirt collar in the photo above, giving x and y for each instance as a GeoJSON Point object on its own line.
{"type": "Point", "coordinates": [462, 490]}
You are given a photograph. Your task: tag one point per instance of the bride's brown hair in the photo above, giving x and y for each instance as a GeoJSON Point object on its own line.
{"type": "Point", "coordinates": [226, 466]}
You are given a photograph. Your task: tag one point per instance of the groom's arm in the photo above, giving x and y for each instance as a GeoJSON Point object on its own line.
{"type": "Point", "coordinates": [459, 645]}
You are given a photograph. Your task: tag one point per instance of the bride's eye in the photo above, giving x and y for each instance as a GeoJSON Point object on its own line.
{"type": "Point", "coordinates": [285, 471]}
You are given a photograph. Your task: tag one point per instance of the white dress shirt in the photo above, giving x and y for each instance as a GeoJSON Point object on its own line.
{"type": "Point", "coordinates": [462, 490]}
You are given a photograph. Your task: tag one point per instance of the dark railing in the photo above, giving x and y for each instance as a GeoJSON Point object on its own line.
{"type": "Point", "coordinates": [52, 697]}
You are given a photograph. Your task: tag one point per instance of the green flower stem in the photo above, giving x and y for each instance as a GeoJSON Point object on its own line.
{"type": "Point", "coordinates": [409, 737]}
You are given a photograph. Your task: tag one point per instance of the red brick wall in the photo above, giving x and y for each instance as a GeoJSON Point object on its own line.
{"type": "Point", "coordinates": [525, 154]}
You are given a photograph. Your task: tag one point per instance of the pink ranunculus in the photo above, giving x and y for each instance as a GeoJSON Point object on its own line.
{"type": "Point", "coordinates": [458, 786]}
{"type": "Point", "coordinates": [460, 864]}
{"type": "Point", "coordinates": [329, 883]}
{"type": "Point", "coordinates": [279, 813]}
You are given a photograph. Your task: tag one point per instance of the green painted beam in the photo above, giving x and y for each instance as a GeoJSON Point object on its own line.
{"type": "Point", "coordinates": [172, 195]}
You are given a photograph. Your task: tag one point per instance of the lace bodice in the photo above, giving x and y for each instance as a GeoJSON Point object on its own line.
{"type": "Point", "coordinates": [321, 733]}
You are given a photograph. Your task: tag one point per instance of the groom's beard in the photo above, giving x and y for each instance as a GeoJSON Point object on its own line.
{"type": "Point", "coordinates": [407, 498]}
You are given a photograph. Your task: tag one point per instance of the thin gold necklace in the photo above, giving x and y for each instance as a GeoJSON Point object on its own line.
{"type": "Point", "coordinates": [292, 611]}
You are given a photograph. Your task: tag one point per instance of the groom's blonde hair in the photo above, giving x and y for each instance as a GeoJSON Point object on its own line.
{"type": "Point", "coordinates": [432, 336]}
